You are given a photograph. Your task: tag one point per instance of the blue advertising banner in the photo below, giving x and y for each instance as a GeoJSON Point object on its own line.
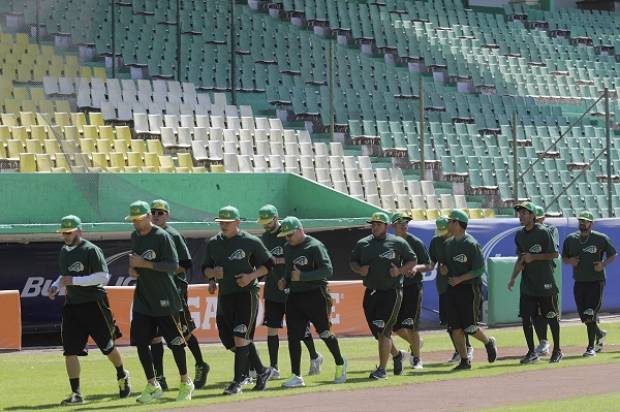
{"type": "Point", "coordinates": [496, 237]}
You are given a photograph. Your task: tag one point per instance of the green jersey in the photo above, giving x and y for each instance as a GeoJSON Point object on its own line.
{"type": "Point", "coordinates": [243, 253]}
{"type": "Point", "coordinates": [82, 260]}
{"type": "Point", "coordinates": [463, 256]}
{"type": "Point", "coordinates": [275, 245]}
{"type": "Point", "coordinates": [589, 251]}
{"type": "Point", "coordinates": [435, 252]}
{"type": "Point", "coordinates": [380, 255]}
{"type": "Point", "coordinates": [312, 260]}
{"type": "Point", "coordinates": [156, 293]}
{"type": "Point", "coordinates": [422, 256]}
{"type": "Point", "coordinates": [180, 244]}
{"type": "Point", "coordinates": [537, 277]}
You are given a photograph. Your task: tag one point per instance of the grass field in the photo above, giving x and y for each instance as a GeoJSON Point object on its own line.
{"type": "Point", "coordinates": [37, 379]}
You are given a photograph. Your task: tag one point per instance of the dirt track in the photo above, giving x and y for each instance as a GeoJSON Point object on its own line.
{"type": "Point", "coordinates": [451, 395]}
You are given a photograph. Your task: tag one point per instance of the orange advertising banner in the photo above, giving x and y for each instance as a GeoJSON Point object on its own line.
{"type": "Point", "coordinates": [347, 314]}
{"type": "Point", "coordinates": [10, 307]}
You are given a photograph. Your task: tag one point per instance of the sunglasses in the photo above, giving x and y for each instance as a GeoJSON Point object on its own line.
{"type": "Point", "coordinates": [159, 212]}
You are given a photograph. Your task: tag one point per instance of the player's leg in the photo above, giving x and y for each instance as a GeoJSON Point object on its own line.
{"type": "Point", "coordinates": [597, 301]}
{"type": "Point", "coordinates": [472, 312]}
{"type": "Point", "coordinates": [389, 309]}
{"type": "Point", "coordinates": [172, 331]}
{"type": "Point", "coordinates": [550, 309]}
{"type": "Point", "coordinates": [540, 327]}
{"type": "Point", "coordinates": [296, 322]}
{"type": "Point", "coordinates": [143, 330]}
{"type": "Point", "coordinates": [527, 311]}
{"type": "Point", "coordinates": [318, 310]}
{"type": "Point", "coordinates": [316, 360]}
{"type": "Point", "coordinates": [74, 341]}
{"type": "Point", "coordinates": [274, 314]}
{"type": "Point", "coordinates": [157, 353]}
{"type": "Point", "coordinates": [456, 327]}
{"type": "Point", "coordinates": [188, 326]}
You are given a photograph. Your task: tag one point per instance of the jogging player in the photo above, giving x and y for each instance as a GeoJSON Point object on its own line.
{"type": "Point", "coordinates": [160, 211]}
{"type": "Point", "coordinates": [382, 260]}
{"type": "Point", "coordinates": [409, 316]}
{"type": "Point", "coordinates": [589, 252]}
{"type": "Point", "coordinates": [236, 259]}
{"type": "Point", "coordinates": [463, 264]}
{"type": "Point", "coordinates": [307, 268]}
{"type": "Point", "coordinates": [83, 273]}
{"type": "Point", "coordinates": [156, 303]}
{"type": "Point", "coordinates": [539, 292]}
{"type": "Point", "coordinates": [275, 299]}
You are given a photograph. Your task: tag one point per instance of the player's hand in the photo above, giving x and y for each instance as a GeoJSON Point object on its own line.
{"type": "Point", "coordinates": [66, 280]}
{"type": "Point", "coordinates": [511, 284]}
{"type": "Point", "coordinates": [599, 267]}
{"type": "Point", "coordinates": [443, 269]}
{"type": "Point", "coordinates": [574, 261]}
{"type": "Point", "coordinates": [295, 274]}
{"type": "Point", "coordinates": [364, 271]}
{"type": "Point", "coordinates": [136, 261]}
{"type": "Point", "coordinates": [52, 292]}
{"type": "Point", "coordinates": [132, 272]}
{"type": "Point", "coordinates": [243, 279]}
{"type": "Point", "coordinates": [394, 271]}
{"type": "Point", "coordinates": [527, 258]}
{"type": "Point", "coordinates": [212, 287]}
{"type": "Point", "coordinates": [218, 272]}
{"type": "Point", "coordinates": [455, 280]}
{"type": "Point", "coordinates": [282, 284]}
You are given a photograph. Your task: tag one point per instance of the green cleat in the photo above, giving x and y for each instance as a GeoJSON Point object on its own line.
{"type": "Point", "coordinates": [150, 393]}
{"type": "Point", "coordinates": [341, 373]}
{"type": "Point", "coordinates": [185, 390]}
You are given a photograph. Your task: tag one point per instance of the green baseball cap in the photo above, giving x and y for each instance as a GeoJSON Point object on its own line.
{"type": "Point", "coordinates": [288, 225]}
{"type": "Point", "coordinates": [529, 206]}
{"type": "Point", "coordinates": [228, 214]}
{"type": "Point", "coordinates": [458, 215]}
{"type": "Point", "coordinates": [586, 215]}
{"type": "Point", "coordinates": [69, 223]}
{"type": "Point", "coordinates": [540, 212]}
{"type": "Point", "coordinates": [160, 204]}
{"type": "Point", "coordinates": [380, 217]}
{"type": "Point", "coordinates": [266, 214]}
{"type": "Point", "coordinates": [137, 210]}
{"type": "Point", "coordinates": [396, 217]}
{"type": "Point", "coordinates": [441, 226]}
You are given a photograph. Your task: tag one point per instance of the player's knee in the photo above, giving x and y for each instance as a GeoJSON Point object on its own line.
{"type": "Point", "coordinates": [156, 340]}
{"type": "Point", "coordinates": [326, 334]}
{"type": "Point", "coordinates": [108, 348]}
{"type": "Point", "coordinates": [588, 316]}
{"type": "Point", "coordinates": [471, 329]}
{"type": "Point", "coordinates": [177, 342]}
{"type": "Point", "coordinates": [408, 323]}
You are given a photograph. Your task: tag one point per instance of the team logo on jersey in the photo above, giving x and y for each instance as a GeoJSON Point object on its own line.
{"type": "Point", "coordinates": [76, 267]}
{"type": "Point", "coordinates": [238, 254]}
{"type": "Point", "coordinates": [277, 251]}
{"type": "Point", "coordinates": [460, 258]}
{"type": "Point", "coordinates": [389, 254]}
{"type": "Point", "coordinates": [535, 248]}
{"type": "Point", "coordinates": [149, 255]}
{"type": "Point", "coordinates": [590, 249]}
{"type": "Point", "coordinates": [301, 261]}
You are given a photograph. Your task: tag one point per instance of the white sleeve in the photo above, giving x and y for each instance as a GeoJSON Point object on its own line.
{"type": "Point", "coordinates": [56, 283]}
{"type": "Point", "coordinates": [97, 278]}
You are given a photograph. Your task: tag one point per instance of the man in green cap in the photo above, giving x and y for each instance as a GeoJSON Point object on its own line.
{"type": "Point", "coordinates": [463, 264]}
{"type": "Point", "coordinates": [83, 273]}
{"type": "Point", "coordinates": [539, 293]}
{"type": "Point", "coordinates": [540, 322]}
{"type": "Point", "coordinates": [409, 316]}
{"type": "Point", "coordinates": [435, 252]}
{"type": "Point", "coordinates": [275, 299]}
{"type": "Point", "coordinates": [236, 259]}
{"type": "Point", "coordinates": [382, 260]}
{"type": "Point", "coordinates": [307, 267]}
{"type": "Point", "coordinates": [584, 251]}
{"type": "Point", "coordinates": [160, 211]}
{"type": "Point", "coordinates": [153, 261]}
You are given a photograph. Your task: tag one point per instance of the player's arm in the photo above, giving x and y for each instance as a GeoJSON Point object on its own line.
{"type": "Point", "coordinates": [355, 263]}
{"type": "Point", "coordinates": [409, 260]}
{"type": "Point", "coordinates": [210, 268]}
{"type": "Point", "coordinates": [424, 260]}
{"type": "Point", "coordinates": [324, 269]}
{"type": "Point", "coordinates": [610, 254]}
{"type": "Point", "coordinates": [99, 276]}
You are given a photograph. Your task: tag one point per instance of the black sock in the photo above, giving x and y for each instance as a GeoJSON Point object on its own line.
{"type": "Point", "coordinates": [254, 360]}
{"type": "Point", "coordinates": [332, 345]}
{"type": "Point", "coordinates": [528, 331]}
{"type": "Point", "coordinates": [146, 359]}
{"type": "Point", "coordinates": [241, 362]}
{"type": "Point", "coordinates": [179, 358]}
{"type": "Point", "coordinates": [294, 350]}
{"type": "Point", "coordinates": [120, 372]}
{"type": "Point", "coordinates": [273, 344]}
{"type": "Point", "coordinates": [540, 326]}
{"type": "Point", "coordinates": [309, 342]}
{"type": "Point", "coordinates": [157, 353]}
{"type": "Point", "coordinates": [591, 328]}
{"type": "Point", "coordinates": [467, 344]}
{"type": "Point", "coordinates": [554, 325]}
{"type": "Point", "coordinates": [194, 347]}
{"type": "Point", "coordinates": [75, 385]}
